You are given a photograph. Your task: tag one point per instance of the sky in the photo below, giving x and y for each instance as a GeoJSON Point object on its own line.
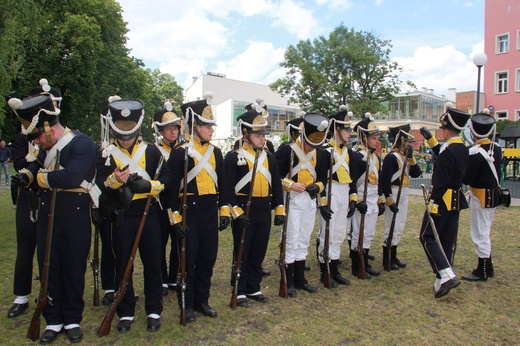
{"type": "Point", "coordinates": [434, 41]}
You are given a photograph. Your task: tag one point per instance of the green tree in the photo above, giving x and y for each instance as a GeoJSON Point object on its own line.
{"type": "Point", "coordinates": [349, 67]}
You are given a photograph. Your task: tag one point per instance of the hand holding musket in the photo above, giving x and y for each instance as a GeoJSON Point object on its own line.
{"type": "Point", "coordinates": [388, 241]}
{"type": "Point", "coordinates": [34, 328]}
{"type": "Point", "coordinates": [238, 263]}
{"type": "Point", "coordinates": [104, 328]}
{"type": "Point", "coordinates": [284, 291]}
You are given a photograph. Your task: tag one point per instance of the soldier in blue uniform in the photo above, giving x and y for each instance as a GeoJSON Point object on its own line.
{"type": "Point", "coordinates": [266, 195]}
{"type": "Point", "coordinates": [401, 157]}
{"type": "Point", "coordinates": [128, 171]}
{"type": "Point", "coordinates": [309, 174]}
{"type": "Point", "coordinates": [167, 126]}
{"type": "Point", "coordinates": [446, 199]}
{"type": "Point", "coordinates": [72, 218]}
{"type": "Point", "coordinates": [206, 201]}
{"type": "Point", "coordinates": [483, 178]}
{"type": "Point", "coordinates": [27, 206]}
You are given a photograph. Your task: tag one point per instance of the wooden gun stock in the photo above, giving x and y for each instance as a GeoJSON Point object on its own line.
{"type": "Point", "coordinates": [361, 253]}
{"type": "Point", "coordinates": [94, 263]}
{"type": "Point", "coordinates": [327, 278]}
{"type": "Point", "coordinates": [104, 328]}
{"type": "Point", "coordinates": [238, 263]}
{"type": "Point", "coordinates": [284, 290]}
{"type": "Point", "coordinates": [34, 328]}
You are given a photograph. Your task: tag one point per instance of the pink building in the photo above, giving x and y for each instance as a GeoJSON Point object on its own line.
{"type": "Point", "coordinates": [502, 47]}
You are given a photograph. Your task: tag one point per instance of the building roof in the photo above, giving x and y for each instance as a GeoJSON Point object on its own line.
{"type": "Point", "coordinates": [510, 131]}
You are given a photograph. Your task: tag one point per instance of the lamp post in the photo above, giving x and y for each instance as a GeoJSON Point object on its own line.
{"type": "Point", "coordinates": [479, 60]}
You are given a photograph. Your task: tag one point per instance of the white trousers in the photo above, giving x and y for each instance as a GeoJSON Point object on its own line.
{"type": "Point", "coordinates": [400, 218]}
{"type": "Point", "coordinates": [480, 226]}
{"type": "Point", "coordinates": [300, 224]}
{"type": "Point", "coordinates": [370, 218]}
{"type": "Point", "coordinates": [339, 202]}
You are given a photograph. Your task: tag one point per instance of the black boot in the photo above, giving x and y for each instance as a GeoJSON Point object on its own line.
{"type": "Point", "coordinates": [354, 256]}
{"type": "Point", "coordinates": [395, 260]}
{"type": "Point", "coordinates": [299, 278]}
{"type": "Point", "coordinates": [336, 276]}
{"type": "Point", "coordinates": [368, 267]}
{"type": "Point", "coordinates": [386, 254]}
{"type": "Point", "coordinates": [489, 268]}
{"type": "Point", "coordinates": [480, 273]}
{"type": "Point", "coordinates": [289, 272]}
{"type": "Point", "coordinates": [323, 270]}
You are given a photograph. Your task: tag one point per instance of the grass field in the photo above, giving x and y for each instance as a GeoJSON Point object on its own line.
{"type": "Point", "coordinates": [397, 308]}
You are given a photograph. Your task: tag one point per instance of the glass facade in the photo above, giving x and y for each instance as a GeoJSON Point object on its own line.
{"type": "Point", "coordinates": [278, 117]}
{"type": "Point", "coordinates": [416, 106]}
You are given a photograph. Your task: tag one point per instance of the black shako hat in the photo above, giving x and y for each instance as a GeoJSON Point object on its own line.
{"type": "Point", "coordinates": [454, 119]}
{"type": "Point", "coordinates": [34, 112]}
{"type": "Point", "coordinates": [315, 126]}
{"type": "Point", "coordinates": [125, 117]}
{"type": "Point", "coordinates": [482, 125]}
{"type": "Point", "coordinates": [199, 110]}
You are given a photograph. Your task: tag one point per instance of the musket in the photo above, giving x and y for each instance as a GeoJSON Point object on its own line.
{"type": "Point", "coordinates": [283, 292]}
{"type": "Point", "coordinates": [238, 262]}
{"type": "Point", "coordinates": [104, 328]}
{"type": "Point", "coordinates": [327, 278]}
{"type": "Point", "coordinates": [94, 262]}
{"type": "Point", "coordinates": [361, 269]}
{"type": "Point", "coordinates": [34, 328]}
{"type": "Point", "coordinates": [181, 276]}
{"type": "Point", "coordinates": [432, 223]}
{"type": "Point", "coordinates": [388, 241]}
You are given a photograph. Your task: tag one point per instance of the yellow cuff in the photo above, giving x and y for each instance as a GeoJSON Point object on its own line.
{"type": "Point", "coordinates": [156, 188]}
{"type": "Point", "coordinates": [322, 201]}
{"type": "Point", "coordinates": [174, 217]}
{"type": "Point", "coordinates": [112, 182]}
{"type": "Point", "coordinates": [381, 199]}
{"type": "Point", "coordinates": [286, 184]}
{"type": "Point", "coordinates": [236, 211]}
{"type": "Point", "coordinates": [29, 174]}
{"type": "Point", "coordinates": [432, 142]}
{"type": "Point", "coordinates": [433, 208]}
{"type": "Point", "coordinates": [353, 197]}
{"type": "Point", "coordinates": [41, 178]}
{"type": "Point", "coordinates": [279, 210]}
{"type": "Point", "coordinates": [412, 161]}
{"type": "Point", "coordinates": [320, 184]}
{"type": "Point", "coordinates": [389, 201]}
{"type": "Point", "coordinates": [224, 211]}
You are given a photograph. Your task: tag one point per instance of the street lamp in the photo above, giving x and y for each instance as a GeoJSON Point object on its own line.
{"type": "Point", "coordinates": [479, 60]}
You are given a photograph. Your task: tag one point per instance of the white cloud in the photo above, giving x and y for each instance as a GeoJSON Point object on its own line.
{"type": "Point", "coordinates": [295, 19]}
{"type": "Point", "coordinates": [340, 4]}
{"type": "Point", "coordinates": [440, 69]}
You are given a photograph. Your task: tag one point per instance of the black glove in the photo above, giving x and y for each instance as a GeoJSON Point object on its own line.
{"type": "Point", "coordinates": [279, 220]}
{"type": "Point", "coordinates": [20, 179]}
{"type": "Point", "coordinates": [351, 209]}
{"type": "Point", "coordinates": [312, 190]}
{"type": "Point", "coordinates": [409, 152]}
{"type": "Point", "coordinates": [243, 221]}
{"type": "Point", "coordinates": [326, 213]}
{"type": "Point", "coordinates": [179, 230]}
{"type": "Point", "coordinates": [362, 207]}
{"type": "Point", "coordinates": [381, 207]}
{"type": "Point", "coordinates": [425, 133]}
{"type": "Point", "coordinates": [138, 184]}
{"type": "Point", "coordinates": [393, 208]}
{"type": "Point", "coordinates": [224, 222]}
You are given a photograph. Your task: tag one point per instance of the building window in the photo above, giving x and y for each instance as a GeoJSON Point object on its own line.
{"type": "Point", "coordinates": [517, 114]}
{"type": "Point", "coordinates": [517, 83]}
{"type": "Point", "coordinates": [501, 115]}
{"type": "Point", "coordinates": [518, 40]}
{"type": "Point", "coordinates": [501, 82]}
{"type": "Point", "coordinates": [502, 43]}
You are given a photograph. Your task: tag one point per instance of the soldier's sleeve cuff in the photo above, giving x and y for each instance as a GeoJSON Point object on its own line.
{"type": "Point", "coordinates": [320, 184]}
{"type": "Point", "coordinates": [111, 182]}
{"type": "Point", "coordinates": [434, 208]}
{"type": "Point", "coordinates": [41, 178]}
{"type": "Point", "coordinates": [322, 201]}
{"type": "Point", "coordinates": [432, 142]}
{"type": "Point", "coordinates": [381, 199]}
{"type": "Point", "coordinates": [389, 201]}
{"type": "Point", "coordinates": [236, 211]}
{"type": "Point", "coordinates": [174, 216]}
{"type": "Point", "coordinates": [224, 211]}
{"type": "Point", "coordinates": [286, 184]}
{"type": "Point", "coordinates": [29, 174]}
{"type": "Point", "coordinates": [353, 197]}
{"type": "Point", "coordinates": [156, 187]}
{"type": "Point", "coordinates": [279, 210]}
{"type": "Point", "coordinates": [412, 161]}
